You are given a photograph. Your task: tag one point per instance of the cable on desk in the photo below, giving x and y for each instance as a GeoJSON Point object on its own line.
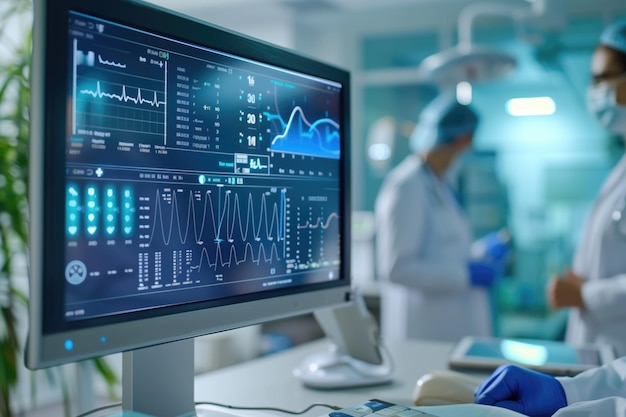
{"type": "Point", "coordinates": [280, 410]}
{"type": "Point", "coordinates": [95, 410]}
{"type": "Point", "coordinates": [232, 407]}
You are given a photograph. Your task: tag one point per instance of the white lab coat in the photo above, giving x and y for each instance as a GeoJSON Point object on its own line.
{"type": "Point", "coordinates": [423, 248]}
{"type": "Point", "coordinates": [601, 259]}
{"type": "Point", "coordinates": [599, 392]}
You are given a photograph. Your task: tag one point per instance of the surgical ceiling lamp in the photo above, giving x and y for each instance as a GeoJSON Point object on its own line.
{"type": "Point", "coordinates": [478, 63]}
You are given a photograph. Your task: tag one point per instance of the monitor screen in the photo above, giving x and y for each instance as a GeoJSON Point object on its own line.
{"type": "Point", "coordinates": [185, 180]}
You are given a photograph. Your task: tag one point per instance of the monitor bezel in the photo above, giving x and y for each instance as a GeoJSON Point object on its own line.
{"type": "Point", "coordinates": [49, 91]}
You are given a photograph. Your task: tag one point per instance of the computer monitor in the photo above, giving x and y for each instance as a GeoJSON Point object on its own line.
{"type": "Point", "coordinates": [185, 179]}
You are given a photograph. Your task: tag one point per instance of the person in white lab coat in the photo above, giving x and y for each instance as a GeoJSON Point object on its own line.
{"type": "Point", "coordinates": [596, 284]}
{"type": "Point", "coordinates": [429, 288]}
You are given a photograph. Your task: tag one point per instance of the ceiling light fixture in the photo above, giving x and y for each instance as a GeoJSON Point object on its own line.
{"type": "Point", "coordinates": [531, 106]}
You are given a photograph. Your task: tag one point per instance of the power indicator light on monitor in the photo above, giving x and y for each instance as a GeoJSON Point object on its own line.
{"type": "Point", "coordinates": [69, 345]}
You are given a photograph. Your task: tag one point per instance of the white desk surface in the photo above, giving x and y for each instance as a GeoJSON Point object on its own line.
{"type": "Point", "coordinates": [269, 381]}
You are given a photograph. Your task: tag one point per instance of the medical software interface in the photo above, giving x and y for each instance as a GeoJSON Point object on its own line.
{"type": "Point", "coordinates": [192, 174]}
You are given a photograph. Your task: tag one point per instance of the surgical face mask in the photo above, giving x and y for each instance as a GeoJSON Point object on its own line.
{"type": "Point", "coordinates": [602, 104]}
{"type": "Point", "coordinates": [453, 172]}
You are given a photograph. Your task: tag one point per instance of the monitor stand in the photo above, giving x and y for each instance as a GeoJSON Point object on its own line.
{"type": "Point", "coordinates": [158, 381]}
{"type": "Point", "coordinates": [355, 357]}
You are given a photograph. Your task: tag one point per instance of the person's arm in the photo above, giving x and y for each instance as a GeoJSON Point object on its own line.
{"type": "Point", "coordinates": [606, 381]}
{"type": "Point", "coordinates": [401, 223]}
{"type": "Point", "coordinates": [606, 407]}
{"type": "Point", "coordinates": [605, 298]}
{"type": "Point", "coordinates": [602, 298]}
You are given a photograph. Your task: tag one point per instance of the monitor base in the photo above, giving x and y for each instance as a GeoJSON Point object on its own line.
{"type": "Point", "coordinates": [335, 369]}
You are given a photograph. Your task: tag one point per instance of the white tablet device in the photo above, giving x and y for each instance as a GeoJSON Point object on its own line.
{"type": "Point", "coordinates": [555, 358]}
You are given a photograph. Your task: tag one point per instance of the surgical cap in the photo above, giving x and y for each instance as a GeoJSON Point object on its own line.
{"type": "Point", "coordinates": [442, 121]}
{"type": "Point", "coordinates": [614, 36]}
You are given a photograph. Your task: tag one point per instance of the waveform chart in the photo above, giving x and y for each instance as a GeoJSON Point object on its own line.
{"type": "Point", "coordinates": [299, 135]}
{"type": "Point", "coordinates": [112, 106]}
{"type": "Point", "coordinates": [315, 244]}
{"type": "Point", "coordinates": [118, 94]}
{"type": "Point", "coordinates": [217, 233]}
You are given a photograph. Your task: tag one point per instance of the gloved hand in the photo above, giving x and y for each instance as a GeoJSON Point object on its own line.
{"type": "Point", "coordinates": [494, 246]}
{"type": "Point", "coordinates": [528, 392]}
{"type": "Point", "coordinates": [497, 245]}
{"type": "Point", "coordinates": [482, 274]}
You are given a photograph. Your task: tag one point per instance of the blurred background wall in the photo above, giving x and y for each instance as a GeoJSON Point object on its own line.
{"type": "Point", "coordinates": [535, 174]}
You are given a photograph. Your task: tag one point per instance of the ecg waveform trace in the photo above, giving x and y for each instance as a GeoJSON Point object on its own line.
{"type": "Point", "coordinates": [110, 63]}
{"type": "Point", "coordinates": [219, 260]}
{"type": "Point", "coordinates": [257, 164]}
{"type": "Point", "coordinates": [226, 222]}
{"type": "Point", "coordinates": [319, 223]}
{"type": "Point", "coordinates": [299, 135]}
{"type": "Point", "coordinates": [124, 97]}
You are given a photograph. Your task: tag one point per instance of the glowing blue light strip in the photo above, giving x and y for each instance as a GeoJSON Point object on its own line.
{"type": "Point", "coordinates": [524, 353]}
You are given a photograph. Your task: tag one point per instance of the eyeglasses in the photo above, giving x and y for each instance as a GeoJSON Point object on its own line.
{"type": "Point", "coordinates": [607, 76]}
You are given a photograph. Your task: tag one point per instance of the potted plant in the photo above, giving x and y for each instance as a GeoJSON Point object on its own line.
{"type": "Point", "coordinates": [15, 59]}
{"type": "Point", "coordinates": [14, 128]}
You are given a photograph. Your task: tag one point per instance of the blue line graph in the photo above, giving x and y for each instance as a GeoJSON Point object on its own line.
{"type": "Point", "coordinates": [299, 135]}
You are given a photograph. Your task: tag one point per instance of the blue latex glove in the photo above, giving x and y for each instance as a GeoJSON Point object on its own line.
{"type": "Point", "coordinates": [528, 392]}
{"type": "Point", "coordinates": [493, 247]}
{"type": "Point", "coordinates": [482, 274]}
{"type": "Point", "coordinates": [497, 245]}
